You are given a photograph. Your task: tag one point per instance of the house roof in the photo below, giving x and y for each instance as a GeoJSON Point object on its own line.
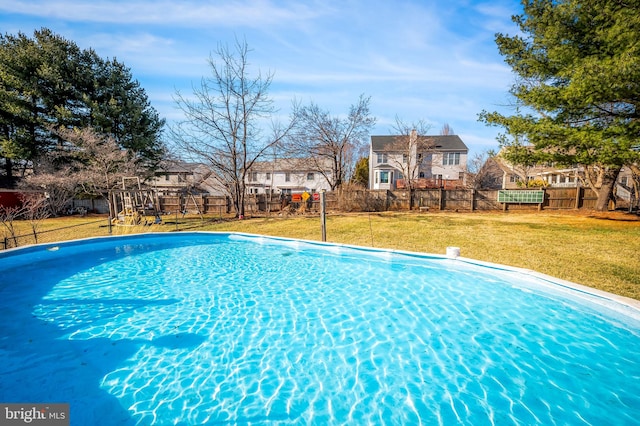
{"type": "Point", "coordinates": [287, 165]}
{"type": "Point", "coordinates": [440, 142]}
{"type": "Point", "coordinates": [178, 166]}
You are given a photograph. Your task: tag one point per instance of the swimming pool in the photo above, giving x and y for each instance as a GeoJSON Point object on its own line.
{"type": "Point", "coordinates": [193, 328]}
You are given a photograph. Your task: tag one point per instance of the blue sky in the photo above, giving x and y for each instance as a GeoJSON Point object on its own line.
{"type": "Point", "coordinates": [419, 60]}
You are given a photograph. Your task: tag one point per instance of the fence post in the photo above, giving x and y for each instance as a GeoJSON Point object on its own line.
{"type": "Point", "coordinates": [473, 199]}
{"type": "Point", "coordinates": [323, 215]}
{"type": "Point", "coordinates": [578, 191]}
{"type": "Point", "coordinates": [111, 203]}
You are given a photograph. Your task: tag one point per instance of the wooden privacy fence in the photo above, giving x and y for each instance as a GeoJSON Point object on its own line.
{"type": "Point", "coordinates": [457, 200]}
{"type": "Point", "coordinates": [362, 200]}
{"type": "Point", "coordinates": [204, 204]}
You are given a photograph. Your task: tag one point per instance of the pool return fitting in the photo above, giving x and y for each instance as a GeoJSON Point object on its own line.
{"type": "Point", "coordinates": [453, 252]}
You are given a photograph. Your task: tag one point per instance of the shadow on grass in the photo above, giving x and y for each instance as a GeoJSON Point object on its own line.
{"type": "Point", "coordinates": [617, 216]}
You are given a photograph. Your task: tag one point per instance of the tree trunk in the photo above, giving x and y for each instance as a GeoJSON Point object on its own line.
{"type": "Point", "coordinates": [240, 198]}
{"type": "Point", "coordinates": [411, 196]}
{"type": "Point", "coordinates": [8, 165]}
{"type": "Point", "coordinates": [605, 189]}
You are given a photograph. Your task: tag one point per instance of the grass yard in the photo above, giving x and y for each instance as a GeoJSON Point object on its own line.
{"type": "Point", "coordinates": [597, 250]}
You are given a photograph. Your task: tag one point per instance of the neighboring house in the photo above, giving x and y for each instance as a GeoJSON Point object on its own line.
{"type": "Point", "coordinates": [287, 176]}
{"type": "Point", "coordinates": [627, 189]}
{"type": "Point", "coordinates": [178, 176]}
{"type": "Point", "coordinates": [507, 176]}
{"type": "Point", "coordinates": [438, 161]}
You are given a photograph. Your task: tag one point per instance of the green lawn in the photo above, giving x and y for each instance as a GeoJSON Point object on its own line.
{"type": "Point", "coordinates": [600, 251]}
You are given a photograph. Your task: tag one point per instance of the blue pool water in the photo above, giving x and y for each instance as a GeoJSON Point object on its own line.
{"type": "Point", "coordinates": [234, 329]}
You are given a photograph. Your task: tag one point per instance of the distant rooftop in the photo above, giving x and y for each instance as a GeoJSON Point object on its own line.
{"type": "Point", "coordinates": [440, 142]}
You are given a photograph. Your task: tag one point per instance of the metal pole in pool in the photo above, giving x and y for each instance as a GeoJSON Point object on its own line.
{"type": "Point", "coordinates": [323, 215]}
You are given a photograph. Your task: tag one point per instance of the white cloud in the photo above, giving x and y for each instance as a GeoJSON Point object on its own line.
{"type": "Point", "coordinates": [130, 43]}
{"type": "Point", "coordinates": [165, 12]}
{"type": "Point", "coordinates": [420, 60]}
{"type": "Point", "coordinates": [496, 16]}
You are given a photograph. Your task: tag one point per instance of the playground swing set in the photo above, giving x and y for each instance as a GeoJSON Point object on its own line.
{"type": "Point", "coordinates": [134, 205]}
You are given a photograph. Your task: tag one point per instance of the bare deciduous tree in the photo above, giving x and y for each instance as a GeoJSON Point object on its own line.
{"type": "Point", "coordinates": [100, 161]}
{"type": "Point", "coordinates": [332, 142]}
{"type": "Point", "coordinates": [446, 130]}
{"type": "Point", "coordinates": [8, 214]}
{"type": "Point", "coordinates": [35, 209]}
{"type": "Point", "coordinates": [94, 165]}
{"type": "Point", "coordinates": [59, 186]}
{"type": "Point", "coordinates": [479, 171]}
{"type": "Point", "coordinates": [411, 150]}
{"type": "Point", "coordinates": [226, 120]}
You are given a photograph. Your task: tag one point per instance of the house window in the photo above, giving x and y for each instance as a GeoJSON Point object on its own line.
{"type": "Point", "coordinates": [383, 176]}
{"type": "Point", "coordinates": [310, 176]}
{"type": "Point", "coordinates": [405, 158]}
{"type": "Point", "coordinates": [451, 159]}
{"type": "Point", "coordinates": [382, 158]}
{"type": "Point", "coordinates": [287, 177]}
{"type": "Point", "coordinates": [253, 177]}
{"type": "Point", "coordinates": [166, 177]}
{"type": "Point", "coordinates": [624, 180]}
{"type": "Point", "coordinates": [268, 175]}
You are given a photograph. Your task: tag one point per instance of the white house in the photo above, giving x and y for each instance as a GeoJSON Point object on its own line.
{"type": "Point", "coordinates": [549, 175]}
{"type": "Point", "coordinates": [429, 161]}
{"type": "Point", "coordinates": [287, 176]}
{"type": "Point", "coordinates": [179, 176]}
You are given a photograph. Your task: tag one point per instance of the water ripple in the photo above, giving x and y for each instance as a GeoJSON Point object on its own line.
{"type": "Point", "coordinates": [236, 332]}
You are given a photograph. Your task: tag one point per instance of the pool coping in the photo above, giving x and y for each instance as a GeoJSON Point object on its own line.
{"type": "Point", "coordinates": [558, 283]}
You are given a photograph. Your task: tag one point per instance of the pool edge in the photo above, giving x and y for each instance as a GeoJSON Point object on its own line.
{"type": "Point", "coordinates": [568, 285]}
